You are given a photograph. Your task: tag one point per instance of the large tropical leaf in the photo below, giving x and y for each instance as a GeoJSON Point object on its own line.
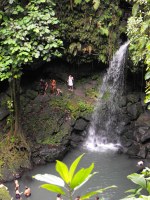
{"type": "Point", "coordinates": [135, 9]}
{"type": "Point", "coordinates": [92, 193]}
{"type": "Point", "coordinates": [74, 166]}
{"type": "Point", "coordinates": [62, 169]}
{"type": "Point", "coordinates": [143, 197]}
{"type": "Point", "coordinates": [49, 178]}
{"type": "Point", "coordinates": [147, 75]}
{"type": "Point", "coordinates": [90, 176]}
{"type": "Point", "coordinates": [138, 179]}
{"type": "Point", "coordinates": [148, 186]}
{"type": "Point", "coordinates": [81, 176]}
{"type": "Point", "coordinates": [53, 188]}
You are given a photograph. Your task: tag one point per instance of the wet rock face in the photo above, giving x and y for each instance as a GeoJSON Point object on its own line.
{"type": "Point", "coordinates": [48, 153]}
{"type": "Point", "coordinates": [132, 125]}
{"type": "Point", "coordinates": [135, 135]}
{"type": "Point", "coordinates": [51, 131]}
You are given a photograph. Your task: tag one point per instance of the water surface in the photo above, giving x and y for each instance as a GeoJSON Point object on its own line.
{"type": "Point", "coordinates": [112, 167]}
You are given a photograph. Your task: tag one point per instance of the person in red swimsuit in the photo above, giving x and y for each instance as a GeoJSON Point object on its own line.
{"type": "Point", "coordinates": [53, 86]}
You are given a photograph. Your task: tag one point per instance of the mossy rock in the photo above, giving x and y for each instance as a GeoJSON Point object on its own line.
{"type": "Point", "coordinates": [4, 194]}
{"type": "Point", "coordinates": [14, 156]}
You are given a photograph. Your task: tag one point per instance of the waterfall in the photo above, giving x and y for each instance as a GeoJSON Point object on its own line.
{"type": "Point", "coordinates": [102, 133]}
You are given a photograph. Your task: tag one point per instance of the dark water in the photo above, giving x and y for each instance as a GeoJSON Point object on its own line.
{"type": "Point", "coordinates": [112, 167]}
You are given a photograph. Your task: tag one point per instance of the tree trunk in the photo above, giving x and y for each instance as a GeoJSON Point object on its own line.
{"type": "Point", "coordinates": [16, 128]}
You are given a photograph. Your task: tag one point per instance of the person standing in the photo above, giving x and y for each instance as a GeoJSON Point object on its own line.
{"type": "Point", "coordinates": [70, 82]}
{"type": "Point", "coordinates": [46, 87]}
{"type": "Point", "coordinates": [42, 87]}
{"type": "Point", "coordinates": [53, 86]}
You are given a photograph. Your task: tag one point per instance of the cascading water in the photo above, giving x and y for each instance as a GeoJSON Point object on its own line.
{"type": "Point", "coordinates": [103, 129]}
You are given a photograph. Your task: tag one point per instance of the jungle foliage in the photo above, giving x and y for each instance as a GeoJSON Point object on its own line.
{"type": "Point", "coordinates": [142, 180]}
{"type": "Point", "coordinates": [138, 30]}
{"type": "Point", "coordinates": [28, 33]}
{"type": "Point", "coordinates": [89, 29]}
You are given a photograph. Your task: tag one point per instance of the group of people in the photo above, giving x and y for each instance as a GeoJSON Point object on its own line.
{"type": "Point", "coordinates": [27, 191]}
{"type": "Point", "coordinates": [59, 197]}
{"type": "Point", "coordinates": [53, 87]}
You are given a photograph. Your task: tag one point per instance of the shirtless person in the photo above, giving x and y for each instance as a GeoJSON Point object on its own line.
{"type": "Point", "coordinates": [27, 191]}
{"type": "Point", "coordinates": [18, 195]}
{"type": "Point", "coordinates": [16, 184]}
{"type": "Point", "coordinates": [59, 197]}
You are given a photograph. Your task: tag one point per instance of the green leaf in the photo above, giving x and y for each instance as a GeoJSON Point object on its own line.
{"type": "Point", "coordinates": [49, 178]}
{"type": "Point", "coordinates": [36, 30]}
{"type": "Point", "coordinates": [147, 75]}
{"type": "Point", "coordinates": [62, 169]}
{"type": "Point", "coordinates": [81, 176]}
{"type": "Point", "coordinates": [89, 177]}
{"type": "Point", "coordinates": [77, 1]}
{"type": "Point", "coordinates": [148, 187]}
{"type": "Point", "coordinates": [53, 188]}
{"type": "Point", "coordinates": [92, 193]}
{"type": "Point", "coordinates": [138, 179]}
{"type": "Point", "coordinates": [104, 31]}
{"type": "Point", "coordinates": [37, 55]}
{"type": "Point", "coordinates": [147, 98]}
{"type": "Point", "coordinates": [135, 9]}
{"type": "Point", "coordinates": [74, 166]}
{"type": "Point", "coordinates": [148, 46]}
{"type": "Point", "coordinates": [96, 4]}
{"type": "Point", "coordinates": [143, 197]}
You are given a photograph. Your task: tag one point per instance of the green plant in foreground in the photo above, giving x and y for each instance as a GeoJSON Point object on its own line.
{"type": "Point", "coordinates": [69, 180]}
{"type": "Point", "coordinates": [143, 182]}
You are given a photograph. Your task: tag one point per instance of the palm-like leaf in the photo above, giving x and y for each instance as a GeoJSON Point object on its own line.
{"type": "Point", "coordinates": [81, 176]}
{"type": "Point", "coordinates": [74, 166]}
{"type": "Point", "coordinates": [53, 188]}
{"type": "Point", "coordinates": [92, 193]}
{"type": "Point", "coordinates": [49, 178]}
{"type": "Point", "coordinates": [62, 169]}
{"type": "Point", "coordinates": [138, 179]}
{"type": "Point", "coordinates": [89, 177]}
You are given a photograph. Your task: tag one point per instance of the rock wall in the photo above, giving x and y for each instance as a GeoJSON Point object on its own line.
{"type": "Point", "coordinates": [54, 124]}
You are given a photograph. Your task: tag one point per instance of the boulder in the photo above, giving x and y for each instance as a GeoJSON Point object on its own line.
{"type": "Point", "coordinates": [51, 153]}
{"type": "Point", "coordinates": [143, 130]}
{"type": "Point", "coordinates": [146, 137]}
{"type": "Point", "coordinates": [133, 98]}
{"type": "Point", "coordinates": [142, 153]}
{"type": "Point", "coordinates": [134, 149]}
{"type": "Point", "coordinates": [134, 110]}
{"type": "Point", "coordinates": [126, 142]}
{"type": "Point", "coordinates": [80, 124]}
{"type": "Point", "coordinates": [144, 119]}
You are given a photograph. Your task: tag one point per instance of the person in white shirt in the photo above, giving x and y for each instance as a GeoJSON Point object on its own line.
{"type": "Point", "coordinates": [70, 82]}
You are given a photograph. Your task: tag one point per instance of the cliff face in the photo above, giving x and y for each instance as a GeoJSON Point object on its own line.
{"type": "Point", "coordinates": [48, 120]}
{"type": "Point", "coordinates": [53, 124]}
